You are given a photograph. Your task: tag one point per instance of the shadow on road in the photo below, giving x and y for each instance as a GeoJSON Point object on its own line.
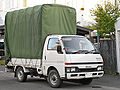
{"type": "Point", "coordinates": [65, 85]}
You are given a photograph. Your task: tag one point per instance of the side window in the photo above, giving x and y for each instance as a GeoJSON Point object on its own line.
{"type": "Point", "coordinates": [53, 43]}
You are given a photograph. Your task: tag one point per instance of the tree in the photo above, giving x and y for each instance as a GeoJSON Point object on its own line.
{"type": "Point", "coordinates": [105, 17]}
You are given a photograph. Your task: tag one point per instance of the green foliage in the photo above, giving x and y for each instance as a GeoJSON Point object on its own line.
{"type": "Point", "coordinates": [2, 60]}
{"type": "Point", "coordinates": [2, 63]}
{"type": "Point", "coordinates": [90, 27]}
{"type": "Point", "coordinates": [105, 17]}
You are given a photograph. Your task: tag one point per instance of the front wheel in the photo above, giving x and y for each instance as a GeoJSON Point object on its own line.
{"type": "Point", "coordinates": [21, 76]}
{"type": "Point", "coordinates": [54, 79]}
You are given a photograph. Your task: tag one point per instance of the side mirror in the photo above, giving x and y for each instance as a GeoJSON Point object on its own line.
{"type": "Point", "coordinates": [59, 50]}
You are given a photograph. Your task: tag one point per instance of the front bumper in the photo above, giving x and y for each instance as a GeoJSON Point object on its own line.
{"type": "Point", "coordinates": [82, 75]}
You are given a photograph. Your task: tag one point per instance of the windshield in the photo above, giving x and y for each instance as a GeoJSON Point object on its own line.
{"type": "Point", "coordinates": [79, 45]}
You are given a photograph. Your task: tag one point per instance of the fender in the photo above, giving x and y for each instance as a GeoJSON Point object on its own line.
{"type": "Point", "coordinates": [24, 69]}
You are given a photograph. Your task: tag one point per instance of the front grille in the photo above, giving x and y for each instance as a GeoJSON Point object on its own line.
{"type": "Point", "coordinates": [86, 70]}
{"type": "Point", "coordinates": [78, 70]}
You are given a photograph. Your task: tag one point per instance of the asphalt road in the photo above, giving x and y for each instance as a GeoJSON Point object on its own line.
{"type": "Point", "coordinates": [8, 82]}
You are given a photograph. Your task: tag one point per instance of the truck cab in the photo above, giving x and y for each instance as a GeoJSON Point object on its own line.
{"type": "Point", "coordinates": [72, 57]}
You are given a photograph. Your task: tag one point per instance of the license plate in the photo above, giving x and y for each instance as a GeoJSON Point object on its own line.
{"type": "Point", "coordinates": [88, 75]}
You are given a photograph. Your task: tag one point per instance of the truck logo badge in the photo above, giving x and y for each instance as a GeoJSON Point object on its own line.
{"type": "Point", "coordinates": [88, 66]}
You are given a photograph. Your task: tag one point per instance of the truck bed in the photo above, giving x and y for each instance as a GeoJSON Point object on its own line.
{"type": "Point", "coordinates": [32, 63]}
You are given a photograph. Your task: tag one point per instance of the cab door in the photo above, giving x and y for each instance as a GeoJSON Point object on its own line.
{"type": "Point", "coordinates": [52, 58]}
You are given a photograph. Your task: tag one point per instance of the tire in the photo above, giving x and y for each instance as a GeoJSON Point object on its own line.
{"type": "Point", "coordinates": [86, 81]}
{"type": "Point", "coordinates": [54, 79]}
{"type": "Point", "coordinates": [21, 76]}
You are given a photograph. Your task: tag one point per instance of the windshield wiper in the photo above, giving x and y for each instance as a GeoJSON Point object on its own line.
{"type": "Point", "coordinates": [81, 51]}
{"type": "Point", "coordinates": [85, 52]}
{"type": "Point", "coordinates": [95, 51]}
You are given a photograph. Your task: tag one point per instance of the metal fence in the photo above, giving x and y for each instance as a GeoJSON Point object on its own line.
{"type": "Point", "coordinates": [108, 52]}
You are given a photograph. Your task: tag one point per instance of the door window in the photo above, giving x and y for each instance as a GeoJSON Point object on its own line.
{"type": "Point", "coordinates": [53, 43]}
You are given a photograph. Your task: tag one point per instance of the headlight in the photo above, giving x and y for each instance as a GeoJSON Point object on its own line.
{"type": "Point", "coordinates": [70, 69]}
{"type": "Point", "coordinates": [100, 68]}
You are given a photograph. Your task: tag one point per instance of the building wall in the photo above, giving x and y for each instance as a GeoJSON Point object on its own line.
{"type": "Point", "coordinates": [8, 5]}
{"type": "Point", "coordinates": [83, 16]}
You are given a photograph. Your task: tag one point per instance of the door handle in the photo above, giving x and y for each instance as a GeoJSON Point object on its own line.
{"type": "Point", "coordinates": [45, 57]}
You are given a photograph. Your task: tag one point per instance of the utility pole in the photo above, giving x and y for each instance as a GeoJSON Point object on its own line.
{"type": "Point", "coordinates": [24, 3]}
{"type": "Point", "coordinates": [54, 1]}
{"type": "Point", "coordinates": [82, 12]}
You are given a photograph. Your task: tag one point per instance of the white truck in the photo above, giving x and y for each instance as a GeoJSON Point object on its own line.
{"type": "Point", "coordinates": [64, 57]}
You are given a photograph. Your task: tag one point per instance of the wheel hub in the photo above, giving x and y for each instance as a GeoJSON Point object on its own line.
{"type": "Point", "coordinates": [53, 79]}
{"type": "Point", "coordinates": [20, 75]}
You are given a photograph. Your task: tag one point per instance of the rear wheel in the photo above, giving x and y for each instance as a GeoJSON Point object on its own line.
{"type": "Point", "coordinates": [54, 79]}
{"type": "Point", "coordinates": [21, 76]}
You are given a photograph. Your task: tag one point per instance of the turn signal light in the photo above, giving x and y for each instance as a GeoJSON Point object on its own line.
{"type": "Point", "coordinates": [67, 63]}
{"type": "Point", "coordinates": [102, 62]}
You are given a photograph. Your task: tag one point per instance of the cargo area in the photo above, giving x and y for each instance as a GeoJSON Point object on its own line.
{"type": "Point", "coordinates": [26, 29]}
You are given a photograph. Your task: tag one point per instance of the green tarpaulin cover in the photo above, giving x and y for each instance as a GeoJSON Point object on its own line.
{"type": "Point", "coordinates": [26, 29]}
